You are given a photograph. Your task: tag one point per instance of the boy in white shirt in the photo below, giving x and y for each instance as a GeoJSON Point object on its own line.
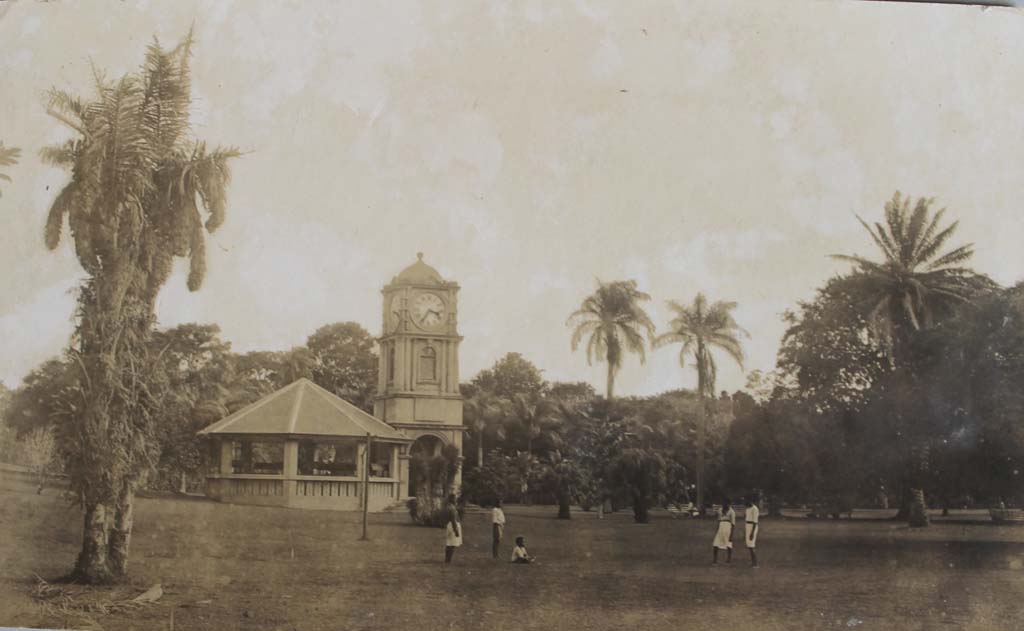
{"type": "Point", "coordinates": [497, 527]}
{"type": "Point", "coordinates": [752, 517]}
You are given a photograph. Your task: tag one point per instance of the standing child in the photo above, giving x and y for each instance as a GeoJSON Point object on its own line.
{"type": "Point", "coordinates": [723, 537]}
{"type": "Point", "coordinates": [519, 553]}
{"type": "Point", "coordinates": [752, 517]}
{"type": "Point", "coordinates": [452, 530]}
{"type": "Point", "coordinates": [497, 527]}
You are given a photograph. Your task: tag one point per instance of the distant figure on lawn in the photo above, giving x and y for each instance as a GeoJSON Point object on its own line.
{"type": "Point", "coordinates": [497, 527]}
{"type": "Point", "coordinates": [452, 530]}
{"type": "Point", "coordinates": [752, 517]}
{"type": "Point", "coordinates": [723, 538]}
{"type": "Point", "coordinates": [519, 553]}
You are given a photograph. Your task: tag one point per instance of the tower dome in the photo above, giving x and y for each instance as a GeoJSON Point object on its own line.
{"type": "Point", "coordinates": [419, 272]}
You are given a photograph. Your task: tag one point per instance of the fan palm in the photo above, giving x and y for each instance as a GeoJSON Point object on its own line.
{"type": "Point", "coordinates": [914, 284]}
{"type": "Point", "coordinates": [8, 157]}
{"type": "Point", "coordinates": [615, 322]}
{"type": "Point", "coordinates": [538, 417]}
{"type": "Point", "coordinates": [701, 328]}
{"type": "Point", "coordinates": [138, 184]}
{"type": "Point", "coordinates": [479, 412]}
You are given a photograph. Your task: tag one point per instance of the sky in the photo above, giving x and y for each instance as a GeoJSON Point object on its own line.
{"type": "Point", "coordinates": [529, 149]}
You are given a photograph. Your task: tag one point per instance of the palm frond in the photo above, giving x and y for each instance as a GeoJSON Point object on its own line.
{"type": "Point", "coordinates": [9, 155]}
{"type": "Point", "coordinates": [953, 257]}
{"type": "Point", "coordinates": [880, 238]}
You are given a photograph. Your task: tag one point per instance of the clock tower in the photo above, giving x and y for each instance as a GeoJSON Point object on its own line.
{"type": "Point", "coordinates": [418, 380]}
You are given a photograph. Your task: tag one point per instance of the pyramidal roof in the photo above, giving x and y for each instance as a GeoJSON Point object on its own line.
{"type": "Point", "coordinates": [303, 407]}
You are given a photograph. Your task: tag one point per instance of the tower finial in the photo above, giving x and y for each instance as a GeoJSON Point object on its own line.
{"type": "Point", "coordinates": [419, 256]}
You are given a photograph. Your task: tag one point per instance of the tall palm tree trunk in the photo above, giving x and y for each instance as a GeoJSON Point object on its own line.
{"type": "Point", "coordinates": [611, 380]}
{"type": "Point", "coordinates": [702, 422]}
{"type": "Point", "coordinates": [701, 438]}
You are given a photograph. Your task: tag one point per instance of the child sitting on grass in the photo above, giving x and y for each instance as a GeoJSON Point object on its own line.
{"type": "Point", "coordinates": [519, 553]}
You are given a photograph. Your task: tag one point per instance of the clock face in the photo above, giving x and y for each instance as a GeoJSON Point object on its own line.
{"type": "Point", "coordinates": [427, 310]}
{"type": "Point", "coordinates": [395, 313]}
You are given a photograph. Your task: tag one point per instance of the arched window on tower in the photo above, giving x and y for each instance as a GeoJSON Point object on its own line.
{"type": "Point", "coordinates": [428, 364]}
{"type": "Point", "coordinates": [391, 363]}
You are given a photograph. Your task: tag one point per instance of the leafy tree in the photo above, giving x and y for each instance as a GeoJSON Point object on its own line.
{"type": "Point", "coordinates": [199, 369]}
{"type": "Point", "coordinates": [701, 328]}
{"type": "Point", "coordinates": [8, 157]}
{"type": "Point", "coordinates": [138, 182]}
{"type": "Point", "coordinates": [39, 450]}
{"type": "Point", "coordinates": [8, 447]}
{"type": "Point", "coordinates": [345, 362]}
{"type": "Point", "coordinates": [45, 398]}
{"type": "Point", "coordinates": [259, 373]}
{"type": "Point", "coordinates": [827, 353]}
{"type": "Point", "coordinates": [572, 393]}
{"type": "Point", "coordinates": [614, 323]}
{"type": "Point", "coordinates": [511, 375]}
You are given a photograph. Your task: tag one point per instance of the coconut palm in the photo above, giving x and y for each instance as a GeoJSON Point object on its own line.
{"type": "Point", "coordinates": [615, 322]}
{"type": "Point", "coordinates": [914, 285]}
{"type": "Point", "coordinates": [138, 184]}
{"type": "Point", "coordinates": [8, 157]}
{"type": "Point", "coordinates": [701, 328]}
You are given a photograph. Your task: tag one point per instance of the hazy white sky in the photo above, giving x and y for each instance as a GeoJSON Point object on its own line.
{"type": "Point", "coordinates": [528, 148]}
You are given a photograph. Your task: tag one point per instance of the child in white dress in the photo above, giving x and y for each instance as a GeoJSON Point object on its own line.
{"type": "Point", "coordinates": [723, 536]}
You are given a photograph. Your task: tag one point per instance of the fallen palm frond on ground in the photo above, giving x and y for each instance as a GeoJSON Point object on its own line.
{"type": "Point", "coordinates": [80, 604]}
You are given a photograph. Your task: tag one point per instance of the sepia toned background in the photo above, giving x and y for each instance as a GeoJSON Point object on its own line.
{"type": "Point", "coordinates": [528, 148]}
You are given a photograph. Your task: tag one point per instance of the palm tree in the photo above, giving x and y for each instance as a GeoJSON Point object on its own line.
{"type": "Point", "coordinates": [8, 157]}
{"type": "Point", "coordinates": [434, 478]}
{"type": "Point", "coordinates": [914, 284]}
{"type": "Point", "coordinates": [910, 290]}
{"type": "Point", "coordinates": [481, 411]}
{"type": "Point", "coordinates": [138, 182]}
{"type": "Point", "coordinates": [641, 472]}
{"type": "Point", "coordinates": [702, 328]}
{"type": "Point", "coordinates": [615, 322]}
{"type": "Point", "coordinates": [562, 477]}
{"type": "Point", "coordinates": [539, 418]}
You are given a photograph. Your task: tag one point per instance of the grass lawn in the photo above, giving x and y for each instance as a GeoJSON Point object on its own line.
{"type": "Point", "coordinates": [239, 567]}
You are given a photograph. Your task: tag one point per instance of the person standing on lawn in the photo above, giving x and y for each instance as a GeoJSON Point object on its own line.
{"type": "Point", "coordinates": [452, 529]}
{"type": "Point", "coordinates": [723, 537]}
{"type": "Point", "coordinates": [752, 516]}
{"type": "Point", "coordinates": [497, 527]}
